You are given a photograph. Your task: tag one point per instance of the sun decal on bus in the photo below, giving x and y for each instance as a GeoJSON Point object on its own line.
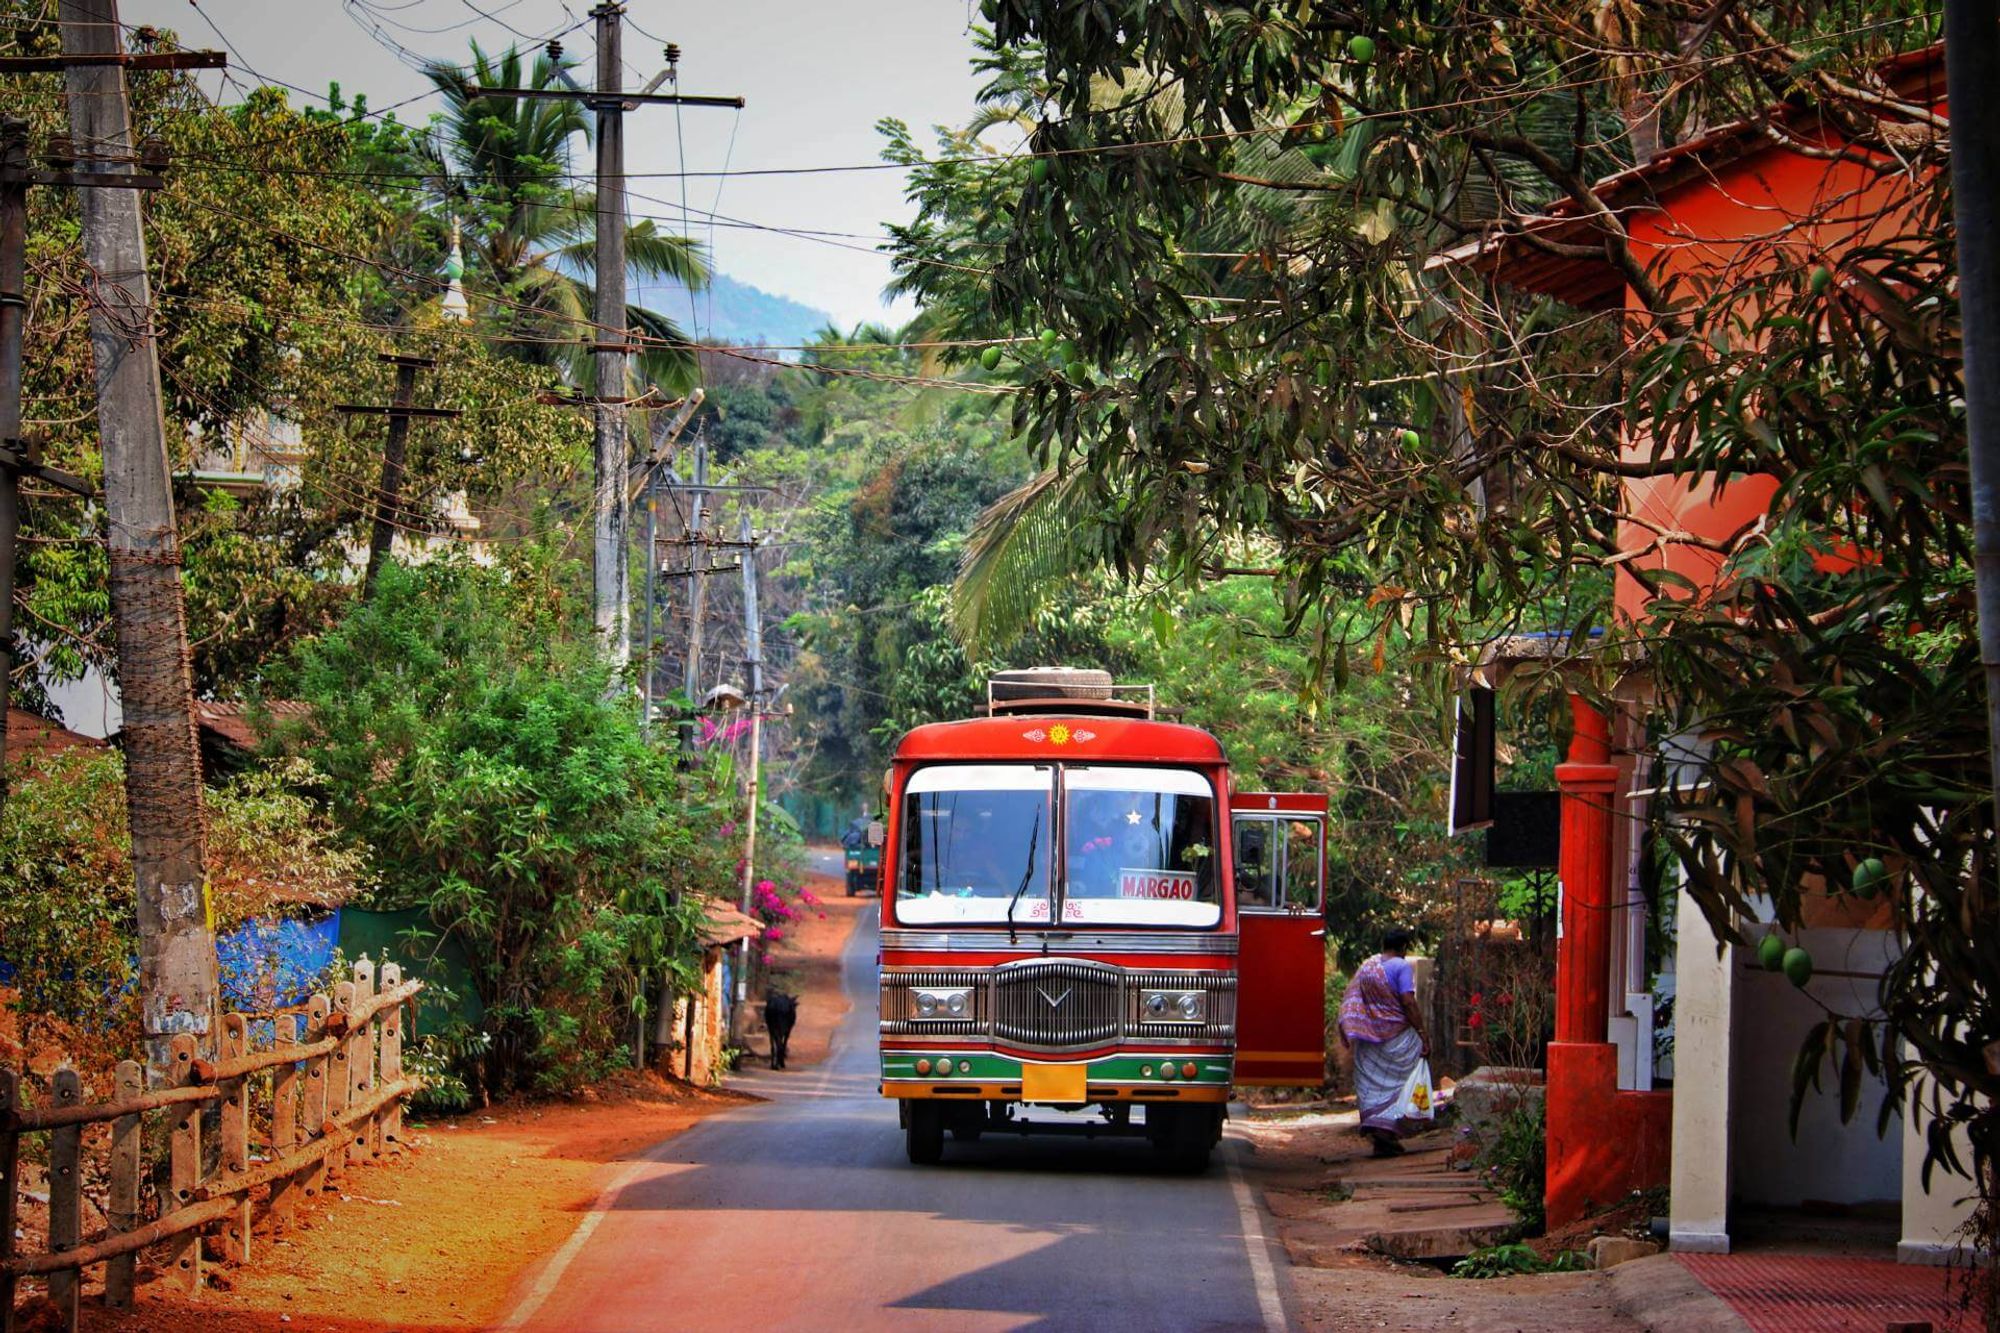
{"type": "Point", "coordinates": [1059, 734]}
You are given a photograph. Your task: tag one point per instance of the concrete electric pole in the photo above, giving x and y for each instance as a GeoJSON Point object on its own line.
{"type": "Point", "coordinates": [177, 966]}
{"type": "Point", "coordinates": [753, 665]}
{"type": "Point", "coordinates": [612, 580]}
{"type": "Point", "coordinates": [18, 455]}
{"type": "Point", "coordinates": [611, 338]}
{"type": "Point", "coordinates": [395, 457]}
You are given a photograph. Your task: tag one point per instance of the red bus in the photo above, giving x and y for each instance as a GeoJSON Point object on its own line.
{"type": "Point", "coordinates": [1079, 913]}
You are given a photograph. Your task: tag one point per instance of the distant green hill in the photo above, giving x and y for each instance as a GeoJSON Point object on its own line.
{"type": "Point", "coordinates": [732, 311]}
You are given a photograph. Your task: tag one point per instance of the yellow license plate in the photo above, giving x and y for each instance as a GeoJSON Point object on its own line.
{"type": "Point", "coordinates": [1053, 1083]}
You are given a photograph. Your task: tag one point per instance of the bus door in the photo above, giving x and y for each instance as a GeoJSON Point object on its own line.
{"type": "Point", "coordinates": [1280, 866]}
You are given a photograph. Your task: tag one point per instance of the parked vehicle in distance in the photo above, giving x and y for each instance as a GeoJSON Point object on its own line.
{"type": "Point", "coordinates": [863, 844]}
{"type": "Point", "coordinates": [1079, 913]}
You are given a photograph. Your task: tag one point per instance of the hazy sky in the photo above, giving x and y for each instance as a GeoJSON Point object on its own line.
{"type": "Point", "coordinates": [817, 75]}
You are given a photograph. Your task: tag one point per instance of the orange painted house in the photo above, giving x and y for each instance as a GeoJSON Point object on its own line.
{"type": "Point", "coordinates": [1699, 216]}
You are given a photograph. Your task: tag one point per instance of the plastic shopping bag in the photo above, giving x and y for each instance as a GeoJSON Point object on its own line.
{"type": "Point", "coordinates": [1417, 1100]}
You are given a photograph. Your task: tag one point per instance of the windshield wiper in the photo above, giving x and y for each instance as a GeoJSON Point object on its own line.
{"type": "Point", "coordinates": [1027, 877]}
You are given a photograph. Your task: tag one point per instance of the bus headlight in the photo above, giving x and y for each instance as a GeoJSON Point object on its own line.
{"type": "Point", "coordinates": [1174, 1006]}
{"type": "Point", "coordinates": [942, 1003]}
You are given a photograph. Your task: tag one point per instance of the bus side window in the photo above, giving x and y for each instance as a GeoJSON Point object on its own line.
{"type": "Point", "coordinates": [1256, 863]}
{"type": "Point", "coordinates": [1303, 852]}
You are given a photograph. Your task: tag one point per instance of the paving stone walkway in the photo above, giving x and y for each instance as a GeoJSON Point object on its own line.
{"type": "Point", "coordinates": [1803, 1293]}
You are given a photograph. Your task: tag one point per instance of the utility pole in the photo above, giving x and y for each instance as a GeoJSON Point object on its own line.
{"type": "Point", "coordinates": [612, 339]}
{"type": "Point", "coordinates": [18, 455]}
{"type": "Point", "coordinates": [697, 583]}
{"type": "Point", "coordinates": [177, 965]}
{"type": "Point", "coordinates": [652, 571]}
{"type": "Point", "coordinates": [1972, 66]}
{"type": "Point", "coordinates": [648, 482]}
{"type": "Point", "coordinates": [389, 493]}
{"type": "Point", "coordinates": [753, 662]}
{"type": "Point", "coordinates": [13, 318]}
{"type": "Point", "coordinates": [611, 580]}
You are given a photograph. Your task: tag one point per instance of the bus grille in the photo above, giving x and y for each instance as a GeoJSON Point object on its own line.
{"type": "Point", "coordinates": [1057, 1005]}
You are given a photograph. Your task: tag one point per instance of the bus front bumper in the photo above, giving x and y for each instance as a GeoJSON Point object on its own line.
{"type": "Point", "coordinates": [960, 1075]}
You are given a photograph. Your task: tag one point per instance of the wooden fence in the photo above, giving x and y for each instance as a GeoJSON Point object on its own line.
{"type": "Point", "coordinates": [321, 1086]}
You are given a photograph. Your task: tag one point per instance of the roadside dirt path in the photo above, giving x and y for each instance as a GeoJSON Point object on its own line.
{"type": "Point", "coordinates": [437, 1240]}
{"type": "Point", "coordinates": [1339, 1288]}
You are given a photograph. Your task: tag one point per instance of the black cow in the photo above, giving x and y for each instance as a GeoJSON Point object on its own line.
{"type": "Point", "coordinates": [781, 1012]}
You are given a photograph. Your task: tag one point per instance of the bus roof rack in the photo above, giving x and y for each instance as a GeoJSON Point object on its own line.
{"type": "Point", "coordinates": [1072, 690]}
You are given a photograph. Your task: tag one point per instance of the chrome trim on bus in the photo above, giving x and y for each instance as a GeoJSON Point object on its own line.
{"type": "Point", "coordinates": [1059, 1005]}
{"type": "Point", "coordinates": [1046, 943]}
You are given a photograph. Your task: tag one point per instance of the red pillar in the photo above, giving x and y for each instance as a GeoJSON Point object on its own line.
{"type": "Point", "coordinates": [1583, 957]}
{"type": "Point", "coordinates": [1602, 1143]}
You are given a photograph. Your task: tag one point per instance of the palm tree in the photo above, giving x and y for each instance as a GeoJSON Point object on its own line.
{"type": "Point", "coordinates": [505, 163]}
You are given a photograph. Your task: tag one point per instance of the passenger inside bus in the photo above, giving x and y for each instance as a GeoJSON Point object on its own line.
{"type": "Point", "coordinates": [1146, 849]}
{"type": "Point", "coordinates": [975, 844]}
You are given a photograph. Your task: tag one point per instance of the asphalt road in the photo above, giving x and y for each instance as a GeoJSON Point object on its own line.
{"type": "Point", "coordinates": [803, 1213]}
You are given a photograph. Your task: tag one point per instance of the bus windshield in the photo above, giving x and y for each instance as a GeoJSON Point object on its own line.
{"type": "Point", "coordinates": [1139, 848]}
{"type": "Point", "coordinates": [975, 844]}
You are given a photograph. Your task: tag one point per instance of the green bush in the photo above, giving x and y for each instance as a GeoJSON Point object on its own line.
{"type": "Point", "coordinates": [1516, 1163]}
{"type": "Point", "coordinates": [472, 743]}
{"type": "Point", "coordinates": [68, 926]}
{"type": "Point", "coordinates": [1515, 1260]}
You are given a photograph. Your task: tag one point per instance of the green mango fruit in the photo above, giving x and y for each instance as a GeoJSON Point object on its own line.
{"type": "Point", "coordinates": [1411, 439]}
{"type": "Point", "coordinates": [1821, 280]}
{"type": "Point", "coordinates": [1869, 877]}
{"type": "Point", "coordinates": [1050, 338]}
{"type": "Point", "coordinates": [1798, 967]}
{"type": "Point", "coordinates": [1771, 953]}
{"type": "Point", "coordinates": [1078, 370]}
{"type": "Point", "coordinates": [1038, 170]}
{"type": "Point", "coordinates": [1361, 49]}
{"type": "Point", "coordinates": [990, 357]}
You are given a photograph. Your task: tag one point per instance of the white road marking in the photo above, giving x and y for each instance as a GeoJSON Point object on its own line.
{"type": "Point", "coordinates": [551, 1276]}
{"type": "Point", "coordinates": [1262, 1275]}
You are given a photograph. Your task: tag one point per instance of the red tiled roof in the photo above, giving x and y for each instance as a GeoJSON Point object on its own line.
{"type": "Point", "coordinates": [231, 721]}
{"type": "Point", "coordinates": [1592, 282]}
{"type": "Point", "coordinates": [28, 735]}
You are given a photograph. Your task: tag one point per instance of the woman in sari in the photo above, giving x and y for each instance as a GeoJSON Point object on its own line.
{"type": "Point", "coordinates": [1380, 1024]}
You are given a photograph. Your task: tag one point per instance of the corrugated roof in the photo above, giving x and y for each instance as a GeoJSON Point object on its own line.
{"type": "Point", "coordinates": [726, 924]}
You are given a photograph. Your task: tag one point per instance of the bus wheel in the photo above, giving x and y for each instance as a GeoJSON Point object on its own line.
{"type": "Point", "coordinates": [923, 1135]}
{"type": "Point", "coordinates": [1182, 1136]}
{"type": "Point", "coordinates": [850, 883]}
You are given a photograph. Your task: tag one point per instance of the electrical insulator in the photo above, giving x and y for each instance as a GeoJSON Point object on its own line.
{"type": "Point", "coordinates": [673, 53]}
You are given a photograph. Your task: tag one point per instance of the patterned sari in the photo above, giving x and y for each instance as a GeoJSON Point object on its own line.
{"type": "Point", "coordinates": [1386, 1048]}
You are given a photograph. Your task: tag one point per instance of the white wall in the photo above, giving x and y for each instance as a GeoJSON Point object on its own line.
{"type": "Point", "coordinates": [1933, 1218]}
{"type": "Point", "coordinates": [1703, 1017]}
{"type": "Point", "coordinates": [1828, 1160]}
